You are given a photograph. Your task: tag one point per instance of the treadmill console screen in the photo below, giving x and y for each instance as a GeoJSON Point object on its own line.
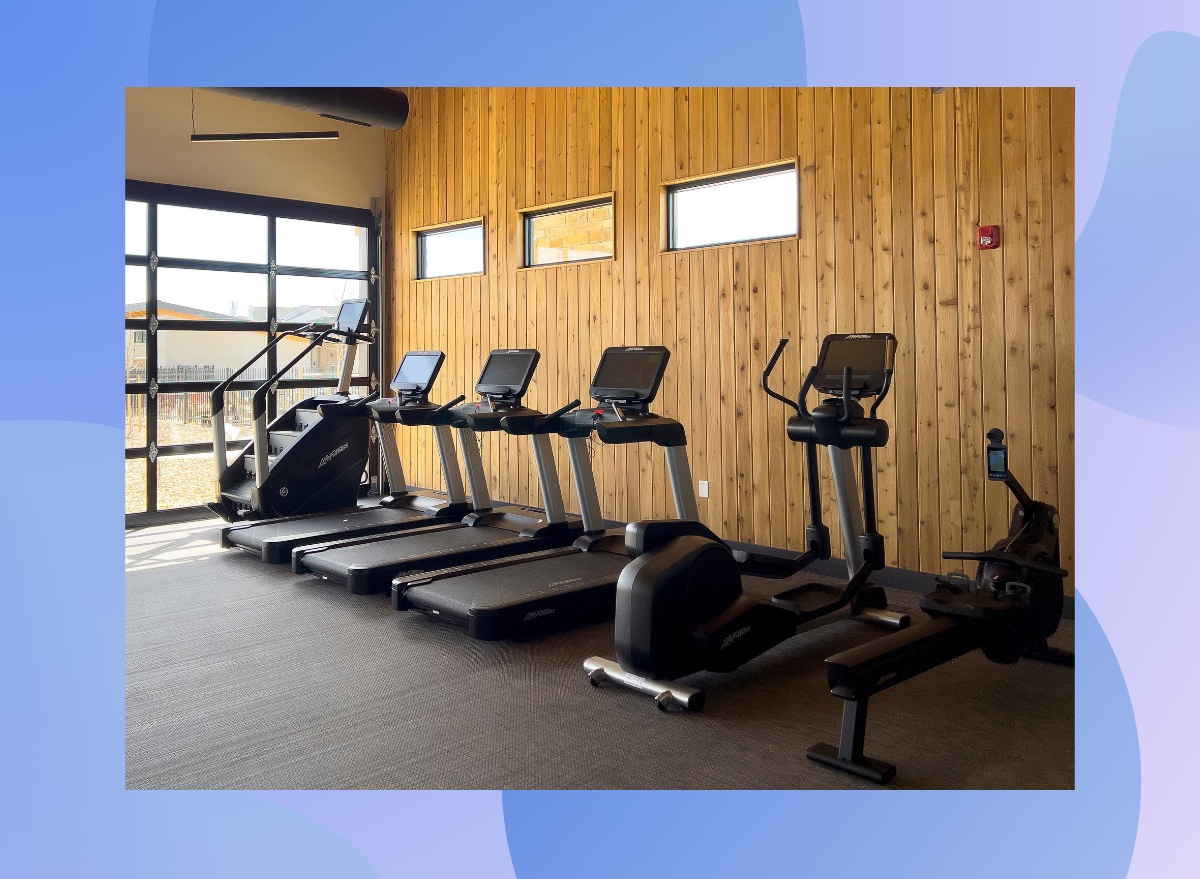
{"type": "Point", "coordinates": [508, 373]}
{"type": "Point", "coordinates": [631, 374]}
{"type": "Point", "coordinates": [869, 357]}
{"type": "Point", "coordinates": [350, 315]}
{"type": "Point", "coordinates": [417, 371]}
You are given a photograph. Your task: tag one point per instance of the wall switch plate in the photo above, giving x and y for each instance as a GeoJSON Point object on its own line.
{"type": "Point", "coordinates": [703, 488]}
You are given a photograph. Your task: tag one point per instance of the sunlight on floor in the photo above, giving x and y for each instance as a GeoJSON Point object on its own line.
{"type": "Point", "coordinates": [168, 545]}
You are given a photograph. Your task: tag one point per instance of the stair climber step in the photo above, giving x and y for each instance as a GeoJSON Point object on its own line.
{"type": "Point", "coordinates": [278, 440]}
{"type": "Point", "coordinates": [239, 494]}
{"type": "Point", "coordinates": [252, 463]}
{"type": "Point", "coordinates": [306, 418]}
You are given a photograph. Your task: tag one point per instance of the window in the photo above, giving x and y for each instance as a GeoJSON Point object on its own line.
{"type": "Point", "coordinates": [450, 250]}
{"type": "Point", "coordinates": [570, 233]}
{"type": "Point", "coordinates": [209, 278]}
{"type": "Point", "coordinates": [746, 206]}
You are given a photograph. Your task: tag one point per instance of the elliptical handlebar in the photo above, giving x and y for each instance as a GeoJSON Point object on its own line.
{"type": "Point", "coordinates": [766, 376]}
{"type": "Point", "coordinates": [847, 372]}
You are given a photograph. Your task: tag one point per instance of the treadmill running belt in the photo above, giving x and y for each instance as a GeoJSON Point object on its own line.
{"type": "Point", "coordinates": [525, 599]}
{"type": "Point", "coordinates": [367, 568]}
{"type": "Point", "coordinates": [276, 540]}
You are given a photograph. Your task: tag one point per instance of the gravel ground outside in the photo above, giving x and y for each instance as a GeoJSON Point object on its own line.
{"type": "Point", "coordinates": [183, 480]}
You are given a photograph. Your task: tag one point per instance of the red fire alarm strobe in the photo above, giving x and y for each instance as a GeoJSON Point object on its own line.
{"type": "Point", "coordinates": [989, 237]}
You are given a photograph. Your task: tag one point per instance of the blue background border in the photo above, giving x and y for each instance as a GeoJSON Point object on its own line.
{"type": "Point", "coordinates": [61, 646]}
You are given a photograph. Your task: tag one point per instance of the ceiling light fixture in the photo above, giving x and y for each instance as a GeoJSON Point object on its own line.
{"type": "Point", "coordinates": [252, 136]}
{"type": "Point", "coordinates": [238, 137]}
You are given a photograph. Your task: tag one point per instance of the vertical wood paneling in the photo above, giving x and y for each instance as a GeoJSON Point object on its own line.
{"type": "Point", "coordinates": [970, 321]}
{"type": "Point", "coordinates": [904, 424]}
{"type": "Point", "coordinates": [893, 184]}
{"type": "Point", "coordinates": [881, 238]}
{"type": "Point", "coordinates": [1039, 216]}
{"type": "Point", "coordinates": [925, 330]}
{"type": "Point", "coordinates": [1062, 164]}
{"type": "Point", "coordinates": [991, 289]}
{"type": "Point", "coordinates": [945, 251]}
{"type": "Point", "coordinates": [824, 228]}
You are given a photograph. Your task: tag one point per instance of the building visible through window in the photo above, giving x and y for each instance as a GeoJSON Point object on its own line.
{"type": "Point", "coordinates": [572, 233]}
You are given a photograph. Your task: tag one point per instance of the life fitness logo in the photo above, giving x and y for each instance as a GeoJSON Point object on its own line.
{"type": "Point", "coordinates": [333, 454]}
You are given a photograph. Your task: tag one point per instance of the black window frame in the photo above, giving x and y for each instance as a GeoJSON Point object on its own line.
{"type": "Point", "coordinates": [715, 179]}
{"type": "Point", "coordinates": [155, 194]}
{"type": "Point", "coordinates": [425, 232]}
{"type": "Point", "coordinates": [530, 214]}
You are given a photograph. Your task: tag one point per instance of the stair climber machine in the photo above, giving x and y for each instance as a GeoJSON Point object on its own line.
{"type": "Point", "coordinates": [400, 510]}
{"type": "Point", "coordinates": [1009, 610]}
{"type": "Point", "coordinates": [302, 462]}
{"type": "Point", "coordinates": [572, 585]}
{"type": "Point", "coordinates": [368, 564]}
{"type": "Point", "coordinates": [683, 605]}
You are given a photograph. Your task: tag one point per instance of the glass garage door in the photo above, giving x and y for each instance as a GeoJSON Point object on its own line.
{"type": "Point", "coordinates": [210, 277]}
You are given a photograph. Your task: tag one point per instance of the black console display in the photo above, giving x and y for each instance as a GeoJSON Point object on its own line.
{"type": "Point", "coordinates": [507, 373]}
{"type": "Point", "coordinates": [418, 370]}
{"type": "Point", "coordinates": [997, 463]}
{"type": "Point", "coordinates": [630, 374]}
{"type": "Point", "coordinates": [350, 315]}
{"type": "Point", "coordinates": [869, 356]}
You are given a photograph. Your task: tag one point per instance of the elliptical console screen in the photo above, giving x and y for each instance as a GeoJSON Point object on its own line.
{"type": "Point", "coordinates": [868, 356]}
{"type": "Point", "coordinates": [350, 315]}
{"type": "Point", "coordinates": [417, 371]}
{"type": "Point", "coordinates": [508, 373]}
{"type": "Point", "coordinates": [630, 373]}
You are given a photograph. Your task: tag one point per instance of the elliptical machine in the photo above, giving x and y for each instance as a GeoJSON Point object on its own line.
{"type": "Point", "coordinates": [684, 606]}
{"type": "Point", "coordinates": [311, 458]}
{"type": "Point", "coordinates": [1009, 610]}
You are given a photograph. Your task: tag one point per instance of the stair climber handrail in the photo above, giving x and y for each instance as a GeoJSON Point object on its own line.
{"type": "Point", "coordinates": [259, 408]}
{"type": "Point", "coordinates": [217, 404]}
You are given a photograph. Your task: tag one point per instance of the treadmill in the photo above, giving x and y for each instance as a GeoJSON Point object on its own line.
{"type": "Point", "coordinates": [573, 585]}
{"type": "Point", "coordinates": [368, 564]}
{"type": "Point", "coordinates": [400, 510]}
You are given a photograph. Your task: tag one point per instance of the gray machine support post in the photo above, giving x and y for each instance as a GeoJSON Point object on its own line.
{"type": "Point", "coordinates": [347, 367]}
{"type": "Point", "coordinates": [585, 485]}
{"type": "Point", "coordinates": [391, 457]}
{"type": "Point", "coordinates": [481, 498]}
{"type": "Point", "coordinates": [849, 508]}
{"type": "Point", "coordinates": [543, 459]}
{"type": "Point", "coordinates": [220, 446]}
{"type": "Point", "coordinates": [262, 463]}
{"type": "Point", "coordinates": [455, 493]}
{"type": "Point", "coordinates": [680, 473]}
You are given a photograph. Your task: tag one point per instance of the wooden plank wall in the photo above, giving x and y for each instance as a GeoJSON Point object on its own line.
{"type": "Point", "coordinates": [893, 184]}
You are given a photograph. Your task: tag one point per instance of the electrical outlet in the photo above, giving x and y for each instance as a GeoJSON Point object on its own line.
{"type": "Point", "coordinates": [703, 488]}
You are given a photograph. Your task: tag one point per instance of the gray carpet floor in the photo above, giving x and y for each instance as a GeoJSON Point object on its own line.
{"type": "Point", "coordinates": [243, 675]}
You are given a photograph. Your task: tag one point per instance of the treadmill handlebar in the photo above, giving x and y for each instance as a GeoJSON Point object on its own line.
{"type": "Point", "coordinates": [530, 424]}
{"type": "Point", "coordinates": [549, 420]}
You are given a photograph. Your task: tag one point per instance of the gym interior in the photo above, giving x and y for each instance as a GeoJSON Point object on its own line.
{"type": "Point", "coordinates": [471, 437]}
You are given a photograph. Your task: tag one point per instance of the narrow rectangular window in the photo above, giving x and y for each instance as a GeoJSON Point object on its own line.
{"type": "Point", "coordinates": [571, 233]}
{"type": "Point", "coordinates": [747, 206]}
{"type": "Point", "coordinates": [453, 250]}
